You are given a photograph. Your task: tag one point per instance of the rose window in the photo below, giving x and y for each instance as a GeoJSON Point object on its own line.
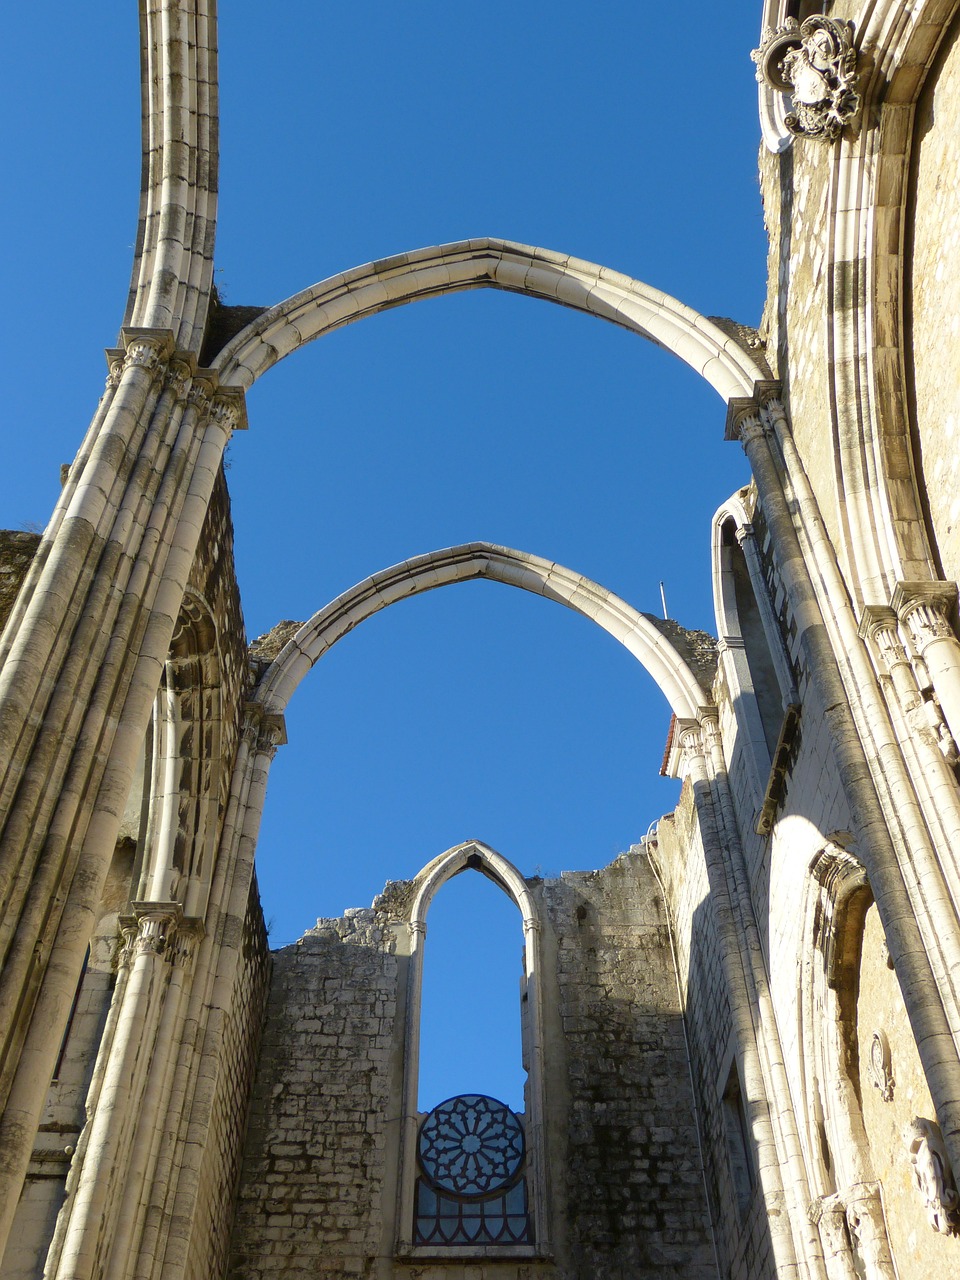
{"type": "Point", "coordinates": [472, 1190]}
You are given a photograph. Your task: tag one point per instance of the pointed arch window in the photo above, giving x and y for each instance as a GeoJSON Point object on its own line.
{"type": "Point", "coordinates": [754, 658]}
{"type": "Point", "coordinates": [473, 1173]}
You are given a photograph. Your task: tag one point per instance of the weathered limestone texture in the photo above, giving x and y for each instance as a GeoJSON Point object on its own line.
{"type": "Point", "coordinates": [626, 1192]}
{"type": "Point", "coordinates": [935, 298]}
{"type": "Point", "coordinates": [312, 1191]}
{"type": "Point", "coordinates": [631, 1173]}
{"type": "Point", "coordinates": [742, 1038]}
{"type": "Point", "coordinates": [16, 553]}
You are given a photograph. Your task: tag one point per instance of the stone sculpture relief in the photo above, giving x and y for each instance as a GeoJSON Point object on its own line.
{"type": "Point", "coordinates": [881, 1069]}
{"type": "Point", "coordinates": [934, 1178]}
{"type": "Point", "coordinates": [814, 64]}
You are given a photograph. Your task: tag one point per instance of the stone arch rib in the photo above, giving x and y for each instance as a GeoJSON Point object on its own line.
{"type": "Point", "coordinates": [638, 632]}
{"type": "Point", "coordinates": [498, 264]}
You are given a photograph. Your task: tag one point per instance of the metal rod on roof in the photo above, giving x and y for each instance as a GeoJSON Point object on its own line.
{"type": "Point", "coordinates": [663, 601]}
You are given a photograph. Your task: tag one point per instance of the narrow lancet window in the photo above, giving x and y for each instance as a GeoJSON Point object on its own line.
{"type": "Point", "coordinates": [471, 1155]}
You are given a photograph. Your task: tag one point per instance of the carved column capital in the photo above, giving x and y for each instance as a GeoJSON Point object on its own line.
{"type": "Point", "coordinates": [179, 374]}
{"type": "Point", "coordinates": [115, 357]}
{"type": "Point", "coordinates": [690, 737]}
{"type": "Point", "coordinates": [151, 927]}
{"type": "Point", "coordinates": [228, 409]}
{"type": "Point", "coordinates": [880, 624]}
{"type": "Point", "coordinates": [744, 422]}
{"type": "Point", "coordinates": [148, 349]}
{"type": "Point", "coordinates": [202, 389]}
{"type": "Point", "coordinates": [924, 608]}
{"type": "Point", "coordinates": [266, 730]}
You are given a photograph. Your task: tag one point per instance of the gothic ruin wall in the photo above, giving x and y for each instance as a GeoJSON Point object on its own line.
{"type": "Point", "coordinates": [319, 1183]}
{"type": "Point", "coordinates": [934, 297]}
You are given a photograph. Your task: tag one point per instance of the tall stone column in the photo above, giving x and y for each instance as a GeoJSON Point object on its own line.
{"type": "Point", "coordinates": [153, 936]}
{"type": "Point", "coordinates": [895, 844]}
{"type": "Point", "coordinates": [175, 1190]}
{"type": "Point", "coordinates": [734, 958]}
{"type": "Point", "coordinates": [86, 664]}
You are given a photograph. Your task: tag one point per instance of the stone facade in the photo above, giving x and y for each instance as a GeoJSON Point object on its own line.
{"type": "Point", "coordinates": [741, 1038]}
{"type": "Point", "coordinates": [319, 1186]}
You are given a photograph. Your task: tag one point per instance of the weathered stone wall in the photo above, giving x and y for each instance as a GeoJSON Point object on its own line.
{"type": "Point", "coordinates": [917, 1248]}
{"type": "Point", "coordinates": [17, 550]}
{"type": "Point", "coordinates": [319, 1184]}
{"type": "Point", "coordinates": [222, 1153]}
{"type": "Point", "coordinates": [312, 1187]}
{"type": "Point", "coordinates": [214, 576]}
{"type": "Point", "coordinates": [934, 265]}
{"type": "Point", "coordinates": [635, 1198]}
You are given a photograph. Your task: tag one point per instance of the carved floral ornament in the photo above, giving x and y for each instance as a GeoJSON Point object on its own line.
{"type": "Point", "coordinates": [813, 63]}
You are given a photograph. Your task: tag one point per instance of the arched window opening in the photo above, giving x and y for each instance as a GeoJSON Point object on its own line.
{"type": "Point", "coordinates": [471, 1005]}
{"type": "Point", "coordinates": [473, 1176]}
{"type": "Point", "coordinates": [756, 666]}
{"type": "Point", "coordinates": [763, 674]}
{"type": "Point", "coordinates": [187, 781]}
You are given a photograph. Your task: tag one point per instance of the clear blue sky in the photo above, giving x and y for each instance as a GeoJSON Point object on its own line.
{"type": "Point", "coordinates": [616, 132]}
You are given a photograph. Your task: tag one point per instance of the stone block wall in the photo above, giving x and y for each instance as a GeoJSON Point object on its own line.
{"type": "Point", "coordinates": [312, 1189]}
{"type": "Point", "coordinates": [319, 1186]}
{"type": "Point", "coordinates": [222, 1153]}
{"type": "Point", "coordinates": [17, 550]}
{"type": "Point", "coordinates": [635, 1202]}
{"type": "Point", "coordinates": [935, 298]}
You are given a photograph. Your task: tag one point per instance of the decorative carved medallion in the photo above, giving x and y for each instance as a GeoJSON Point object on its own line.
{"type": "Point", "coordinates": [814, 64]}
{"type": "Point", "coordinates": [881, 1072]}
{"type": "Point", "coordinates": [931, 1169]}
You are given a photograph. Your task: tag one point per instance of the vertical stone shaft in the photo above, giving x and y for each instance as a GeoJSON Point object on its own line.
{"type": "Point", "coordinates": [930, 1019]}
{"type": "Point", "coordinates": [742, 1005]}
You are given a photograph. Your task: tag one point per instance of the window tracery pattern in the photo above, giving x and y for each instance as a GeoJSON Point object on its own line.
{"type": "Point", "coordinates": [471, 1189]}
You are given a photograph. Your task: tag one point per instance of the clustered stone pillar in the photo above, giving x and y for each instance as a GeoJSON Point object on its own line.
{"type": "Point", "coordinates": [780, 1166]}
{"type": "Point", "coordinates": [890, 827]}
{"type": "Point", "coordinates": [82, 660]}
{"type": "Point", "coordinates": [106, 1180]}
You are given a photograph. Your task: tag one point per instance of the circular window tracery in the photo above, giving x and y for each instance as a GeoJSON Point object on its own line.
{"type": "Point", "coordinates": [471, 1145]}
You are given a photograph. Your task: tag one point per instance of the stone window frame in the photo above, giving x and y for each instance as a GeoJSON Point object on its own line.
{"type": "Point", "coordinates": [762, 760]}
{"type": "Point", "coordinates": [475, 856]}
{"type": "Point", "coordinates": [185, 767]}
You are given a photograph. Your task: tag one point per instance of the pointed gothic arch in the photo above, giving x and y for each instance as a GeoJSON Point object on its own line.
{"type": "Point", "coordinates": [647, 638]}
{"type": "Point", "coordinates": [477, 856]}
{"type": "Point", "coordinates": [724, 361]}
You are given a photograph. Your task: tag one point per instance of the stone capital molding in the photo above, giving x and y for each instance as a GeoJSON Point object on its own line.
{"type": "Point", "coordinates": [267, 729]}
{"type": "Point", "coordinates": [743, 410]}
{"type": "Point", "coordinates": [160, 929]}
{"type": "Point", "coordinates": [880, 624]}
{"type": "Point", "coordinates": [743, 420]}
{"type": "Point", "coordinates": [924, 609]}
{"type": "Point", "coordinates": [689, 735]}
{"type": "Point", "coordinates": [229, 409]}
{"type": "Point", "coordinates": [814, 64]}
